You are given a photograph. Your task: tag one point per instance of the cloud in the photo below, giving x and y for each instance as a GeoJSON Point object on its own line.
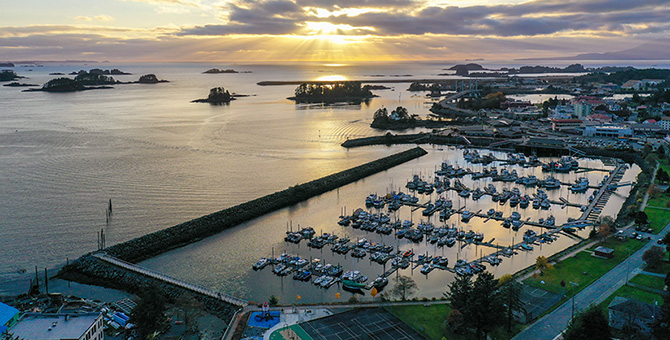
{"type": "Point", "coordinates": [101, 17]}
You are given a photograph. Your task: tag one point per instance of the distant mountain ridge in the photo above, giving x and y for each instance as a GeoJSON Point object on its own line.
{"type": "Point", "coordinates": [655, 50]}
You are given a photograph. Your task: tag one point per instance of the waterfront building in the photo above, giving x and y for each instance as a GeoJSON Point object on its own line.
{"type": "Point", "coordinates": [58, 326]}
{"type": "Point", "coordinates": [559, 124]}
{"type": "Point", "coordinates": [8, 316]}
{"type": "Point", "coordinates": [610, 130]}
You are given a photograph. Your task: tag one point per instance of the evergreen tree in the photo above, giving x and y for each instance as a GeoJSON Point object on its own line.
{"type": "Point", "coordinates": [589, 324]}
{"type": "Point", "coordinates": [149, 313]}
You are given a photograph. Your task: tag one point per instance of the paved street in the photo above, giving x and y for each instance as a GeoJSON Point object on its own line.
{"type": "Point", "coordinates": [552, 324]}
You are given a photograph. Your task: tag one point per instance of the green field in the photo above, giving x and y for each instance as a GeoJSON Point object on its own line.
{"type": "Point", "coordinates": [662, 269]}
{"type": "Point", "coordinates": [635, 293]}
{"type": "Point", "coordinates": [427, 320]}
{"type": "Point", "coordinates": [658, 218]}
{"type": "Point", "coordinates": [430, 322]}
{"type": "Point", "coordinates": [660, 200]}
{"type": "Point", "coordinates": [649, 281]}
{"type": "Point", "coordinates": [583, 268]}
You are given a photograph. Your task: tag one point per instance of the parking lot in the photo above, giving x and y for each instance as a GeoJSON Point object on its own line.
{"type": "Point", "coordinates": [374, 323]}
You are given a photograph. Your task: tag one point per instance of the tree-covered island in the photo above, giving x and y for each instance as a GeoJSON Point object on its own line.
{"type": "Point", "coordinates": [345, 91]}
{"type": "Point", "coordinates": [217, 96]}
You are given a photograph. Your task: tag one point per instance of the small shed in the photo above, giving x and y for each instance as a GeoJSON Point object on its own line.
{"type": "Point", "coordinates": [8, 316]}
{"type": "Point", "coordinates": [604, 252]}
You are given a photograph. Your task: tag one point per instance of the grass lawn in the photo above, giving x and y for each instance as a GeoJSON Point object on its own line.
{"type": "Point", "coordinates": [572, 269]}
{"type": "Point", "coordinates": [635, 293]}
{"type": "Point", "coordinates": [649, 281]}
{"type": "Point", "coordinates": [430, 320]}
{"type": "Point", "coordinates": [663, 268]}
{"type": "Point", "coordinates": [658, 218]}
{"type": "Point", "coordinates": [659, 201]}
{"type": "Point", "coordinates": [665, 164]}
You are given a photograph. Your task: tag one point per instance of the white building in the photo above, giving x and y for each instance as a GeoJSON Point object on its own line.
{"type": "Point", "coordinates": [37, 326]}
{"type": "Point", "coordinates": [664, 123]}
{"type": "Point", "coordinates": [562, 112]}
{"type": "Point", "coordinates": [614, 131]}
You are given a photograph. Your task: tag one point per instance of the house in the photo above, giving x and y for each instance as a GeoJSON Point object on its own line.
{"type": "Point", "coordinates": [8, 316]}
{"type": "Point", "coordinates": [599, 117]}
{"type": "Point", "coordinates": [632, 313]}
{"type": "Point", "coordinates": [630, 85]}
{"type": "Point", "coordinates": [59, 326]}
{"type": "Point", "coordinates": [604, 252]}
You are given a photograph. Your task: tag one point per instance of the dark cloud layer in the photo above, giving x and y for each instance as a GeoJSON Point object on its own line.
{"type": "Point", "coordinates": [402, 17]}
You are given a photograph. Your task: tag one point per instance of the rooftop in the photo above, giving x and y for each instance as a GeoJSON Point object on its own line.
{"type": "Point", "coordinates": [53, 326]}
{"type": "Point", "coordinates": [634, 307]}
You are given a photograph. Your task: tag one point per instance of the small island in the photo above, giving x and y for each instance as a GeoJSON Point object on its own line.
{"type": "Point", "coordinates": [217, 96]}
{"type": "Point", "coordinates": [216, 71]}
{"type": "Point", "coordinates": [66, 85]}
{"type": "Point", "coordinates": [345, 91]}
{"type": "Point", "coordinates": [101, 71]}
{"type": "Point", "coordinates": [150, 79]}
{"type": "Point", "coordinates": [8, 75]}
{"type": "Point", "coordinates": [398, 119]}
{"type": "Point", "coordinates": [17, 84]}
{"type": "Point", "coordinates": [6, 64]}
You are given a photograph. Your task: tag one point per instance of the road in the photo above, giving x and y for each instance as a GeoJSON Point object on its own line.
{"type": "Point", "coordinates": [552, 324]}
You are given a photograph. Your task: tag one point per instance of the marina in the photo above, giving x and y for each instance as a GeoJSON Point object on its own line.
{"type": "Point", "coordinates": [380, 217]}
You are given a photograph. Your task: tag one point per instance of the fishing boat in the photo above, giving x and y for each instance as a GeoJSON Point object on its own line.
{"type": "Point", "coordinates": [466, 216]}
{"type": "Point", "coordinates": [261, 263]}
{"type": "Point", "coordinates": [380, 282]}
{"type": "Point", "coordinates": [580, 185]}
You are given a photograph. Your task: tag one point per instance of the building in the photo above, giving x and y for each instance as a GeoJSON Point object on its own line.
{"type": "Point", "coordinates": [599, 117]}
{"type": "Point", "coordinates": [562, 112]}
{"type": "Point", "coordinates": [558, 124]}
{"type": "Point", "coordinates": [604, 252]}
{"type": "Point", "coordinates": [612, 131]}
{"type": "Point", "coordinates": [37, 326]}
{"type": "Point", "coordinates": [647, 128]}
{"type": "Point", "coordinates": [633, 313]}
{"type": "Point", "coordinates": [8, 316]}
{"type": "Point", "coordinates": [664, 123]}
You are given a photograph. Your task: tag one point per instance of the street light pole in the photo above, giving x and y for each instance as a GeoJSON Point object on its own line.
{"type": "Point", "coordinates": [573, 298]}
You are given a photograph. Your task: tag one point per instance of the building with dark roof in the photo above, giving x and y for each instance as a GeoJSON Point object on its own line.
{"type": "Point", "coordinates": [633, 313]}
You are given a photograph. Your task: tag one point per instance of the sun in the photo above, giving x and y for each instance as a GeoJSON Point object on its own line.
{"type": "Point", "coordinates": [336, 77]}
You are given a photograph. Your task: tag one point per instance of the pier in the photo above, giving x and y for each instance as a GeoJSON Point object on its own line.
{"type": "Point", "coordinates": [170, 280]}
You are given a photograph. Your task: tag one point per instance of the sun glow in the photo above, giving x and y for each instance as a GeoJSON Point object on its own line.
{"type": "Point", "coordinates": [336, 77]}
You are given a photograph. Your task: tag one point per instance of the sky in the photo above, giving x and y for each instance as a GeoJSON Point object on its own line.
{"type": "Point", "coordinates": [324, 30]}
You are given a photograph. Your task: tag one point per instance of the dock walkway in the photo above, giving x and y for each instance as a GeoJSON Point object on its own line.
{"type": "Point", "coordinates": [170, 280]}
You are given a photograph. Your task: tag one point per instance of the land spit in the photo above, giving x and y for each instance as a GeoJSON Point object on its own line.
{"type": "Point", "coordinates": [91, 270]}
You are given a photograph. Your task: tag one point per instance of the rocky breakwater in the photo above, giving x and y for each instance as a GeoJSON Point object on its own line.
{"type": "Point", "coordinates": [147, 246]}
{"type": "Point", "coordinates": [90, 270]}
{"type": "Point", "coordinates": [416, 138]}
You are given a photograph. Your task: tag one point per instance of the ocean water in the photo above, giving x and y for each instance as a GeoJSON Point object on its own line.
{"type": "Point", "coordinates": [164, 160]}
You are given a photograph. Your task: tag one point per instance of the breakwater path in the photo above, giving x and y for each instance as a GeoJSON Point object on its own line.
{"type": "Point", "coordinates": [172, 281]}
{"type": "Point", "coordinates": [155, 243]}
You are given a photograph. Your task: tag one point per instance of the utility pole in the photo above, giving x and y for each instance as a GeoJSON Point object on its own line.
{"type": "Point", "coordinates": [573, 298]}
